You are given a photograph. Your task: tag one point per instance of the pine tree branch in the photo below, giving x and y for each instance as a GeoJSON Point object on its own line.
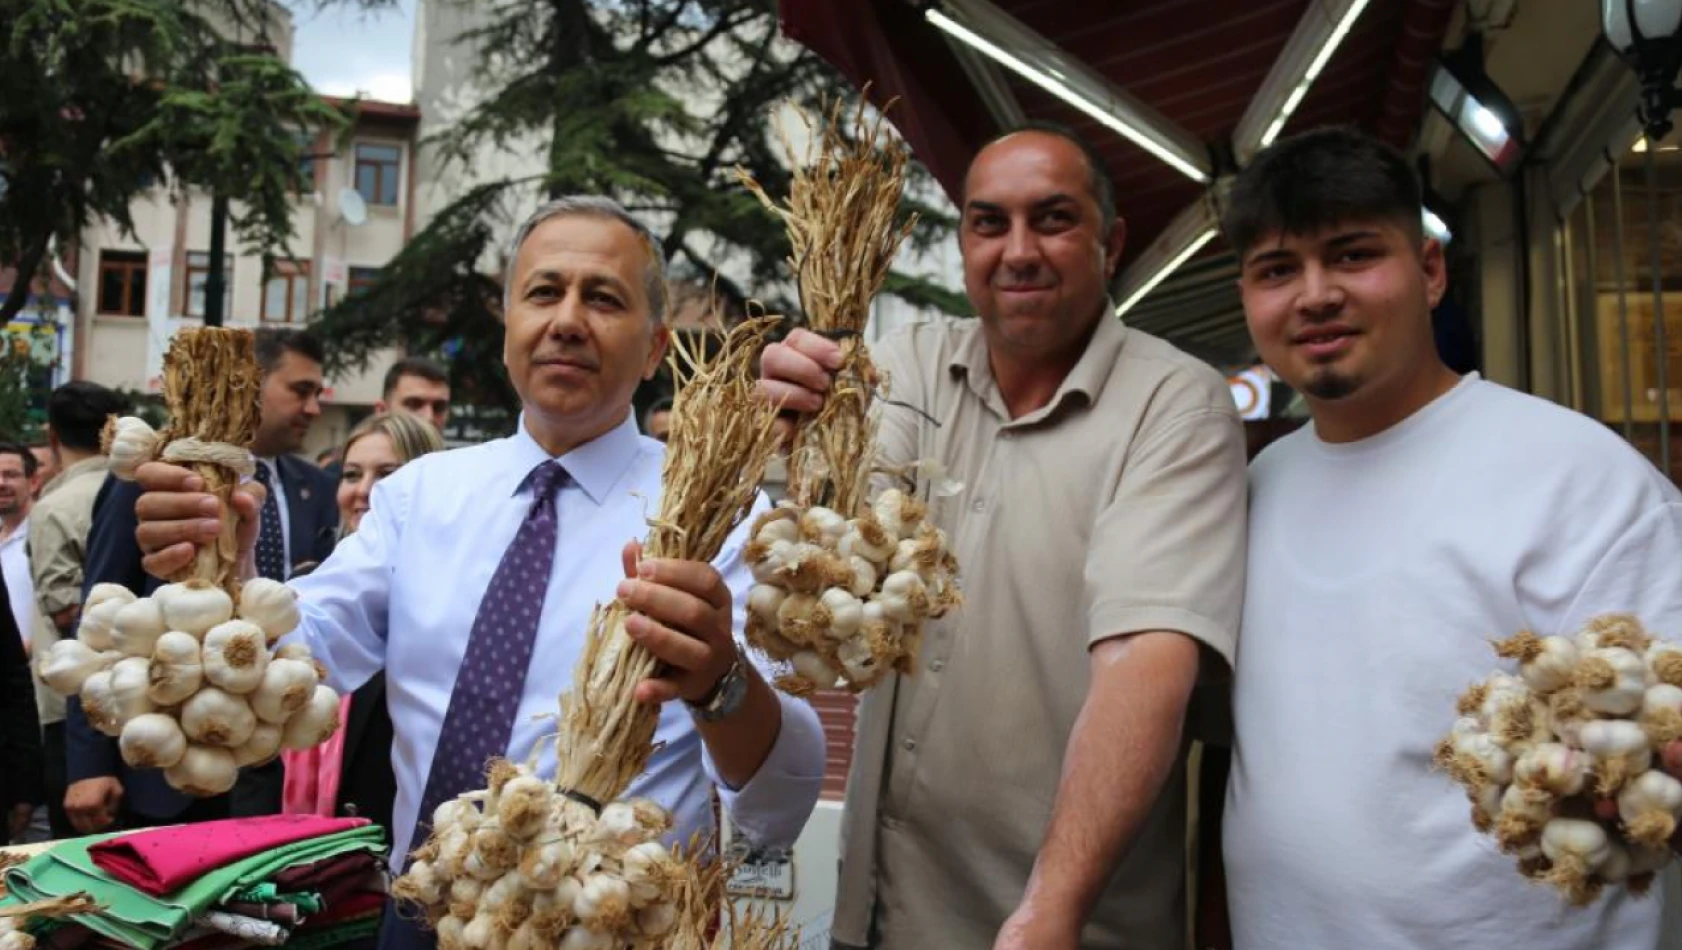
{"type": "Point", "coordinates": [724, 25]}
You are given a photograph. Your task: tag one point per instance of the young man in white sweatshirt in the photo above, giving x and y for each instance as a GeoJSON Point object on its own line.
{"type": "Point", "coordinates": [1420, 515]}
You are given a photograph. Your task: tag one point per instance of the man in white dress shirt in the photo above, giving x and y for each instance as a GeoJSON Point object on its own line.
{"type": "Point", "coordinates": [584, 304]}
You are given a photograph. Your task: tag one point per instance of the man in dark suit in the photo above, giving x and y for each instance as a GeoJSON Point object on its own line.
{"type": "Point", "coordinates": [299, 524]}
{"type": "Point", "coordinates": [20, 732]}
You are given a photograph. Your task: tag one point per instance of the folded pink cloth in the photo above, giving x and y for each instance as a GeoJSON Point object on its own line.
{"type": "Point", "coordinates": [164, 860]}
{"type": "Point", "coordinates": [311, 785]}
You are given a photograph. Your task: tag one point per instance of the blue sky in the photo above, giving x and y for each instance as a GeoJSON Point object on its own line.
{"type": "Point", "coordinates": [343, 52]}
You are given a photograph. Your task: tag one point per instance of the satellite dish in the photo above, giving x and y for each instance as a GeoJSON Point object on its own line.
{"type": "Point", "coordinates": [352, 209]}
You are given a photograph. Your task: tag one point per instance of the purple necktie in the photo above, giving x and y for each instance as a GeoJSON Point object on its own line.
{"type": "Point", "coordinates": [492, 675]}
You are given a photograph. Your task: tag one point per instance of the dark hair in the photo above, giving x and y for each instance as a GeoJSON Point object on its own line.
{"type": "Point", "coordinates": [429, 370]}
{"type": "Point", "coordinates": [663, 404]}
{"type": "Point", "coordinates": [1098, 172]}
{"type": "Point", "coordinates": [77, 412]}
{"type": "Point", "coordinates": [30, 464]}
{"type": "Point", "coordinates": [273, 342]}
{"type": "Point", "coordinates": [1320, 179]}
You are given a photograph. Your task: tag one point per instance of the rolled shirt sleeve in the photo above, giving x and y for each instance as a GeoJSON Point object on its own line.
{"type": "Point", "coordinates": [1178, 523]}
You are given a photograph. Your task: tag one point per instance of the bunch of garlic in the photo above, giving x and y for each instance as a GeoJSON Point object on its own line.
{"type": "Point", "coordinates": [1560, 761]}
{"type": "Point", "coordinates": [521, 866]}
{"type": "Point", "coordinates": [844, 600]}
{"type": "Point", "coordinates": [13, 936]}
{"type": "Point", "coordinates": [188, 684]}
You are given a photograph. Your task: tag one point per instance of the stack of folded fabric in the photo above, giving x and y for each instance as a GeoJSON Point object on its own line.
{"type": "Point", "coordinates": [305, 881]}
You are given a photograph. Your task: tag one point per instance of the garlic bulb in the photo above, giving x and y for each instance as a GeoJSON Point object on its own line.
{"type": "Point", "coordinates": [133, 444]}
{"type": "Point", "coordinates": [864, 576]}
{"type": "Point", "coordinates": [643, 868]}
{"type": "Point", "coordinates": [152, 741]}
{"type": "Point", "coordinates": [1546, 663]}
{"type": "Point", "coordinates": [1621, 631]}
{"type": "Point", "coordinates": [858, 663]}
{"type": "Point", "coordinates": [1665, 660]}
{"type": "Point", "coordinates": [603, 902]}
{"type": "Point", "coordinates": [204, 771]}
{"type": "Point", "coordinates": [213, 717]}
{"type": "Point", "coordinates": [99, 705]}
{"type": "Point", "coordinates": [844, 613]}
{"type": "Point", "coordinates": [1621, 751]}
{"type": "Point", "coordinates": [129, 681]}
{"type": "Point", "coordinates": [194, 606]}
{"type": "Point", "coordinates": [897, 512]}
{"type": "Point", "coordinates": [1613, 679]}
{"type": "Point", "coordinates": [868, 538]}
{"type": "Point", "coordinates": [176, 671]}
{"type": "Point", "coordinates": [261, 747]}
{"type": "Point", "coordinates": [522, 806]}
{"type": "Point", "coordinates": [94, 628]}
{"type": "Point", "coordinates": [456, 813]}
{"type": "Point", "coordinates": [545, 863]}
{"type": "Point", "coordinates": [1649, 806]}
{"type": "Point", "coordinates": [1558, 769]}
{"type": "Point", "coordinates": [1524, 812]}
{"type": "Point", "coordinates": [66, 665]}
{"type": "Point", "coordinates": [271, 605]}
{"type": "Point", "coordinates": [822, 525]}
{"type": "Point", "coordinates": [656, 920]}
{"type": "Point", "coordinates": [137, 626]}
{"type": "Point", "coordinates": [100, 593]}
{"type": "Point", "coordinates": [811, 665]}
{"type": "Point", "coordinates": [904, 597]}
{"type": "Point", "coordinates": [1577, 849]}
{"type": "Point", "coordinates": [764, 599]}
{"type": "Point", "coordinates": [781, 524]}
{"type": "Point", "coordinates": [315, 723]}
{"type": "Point", "coordinates": [235, 656]}
{"type": "Point", "coordinates": [586, 938]}
{"type": "Point", "coordinates": [286, 686]}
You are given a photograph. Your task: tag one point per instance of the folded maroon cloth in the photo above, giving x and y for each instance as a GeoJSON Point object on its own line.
{"type": "Point", "coordinates": [319, 874]}
{"type": "Point", "coordinates": [164, 860]}
{"type": "Point", "coordinates": [365, 904]}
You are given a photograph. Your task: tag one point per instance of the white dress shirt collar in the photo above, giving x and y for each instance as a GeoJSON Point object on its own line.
{"type": "Point", "coordinates": [596, 466]}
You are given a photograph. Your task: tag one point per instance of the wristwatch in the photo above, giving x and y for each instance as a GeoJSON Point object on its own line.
{"type": "Point", "coordinates": [726, 696]}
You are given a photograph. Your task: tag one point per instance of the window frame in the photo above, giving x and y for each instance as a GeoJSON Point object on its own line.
{"type": "Point", "coordinates": [297, 277]}
{"type": "Point", "coordinates": [135, 271]}
{"type": "Point", "coordinates": [380, 167]}
{"type": "Point", "coordinates": [202, 266]}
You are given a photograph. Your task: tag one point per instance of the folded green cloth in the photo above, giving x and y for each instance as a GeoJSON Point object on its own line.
{"type": "Point", "coordinates": [146, 922]}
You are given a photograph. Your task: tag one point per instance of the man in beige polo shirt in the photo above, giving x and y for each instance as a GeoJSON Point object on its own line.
{"type": "Point", "coordinates": [58, 537]}
{"type": "Point", "coordinates": [1025, 789]}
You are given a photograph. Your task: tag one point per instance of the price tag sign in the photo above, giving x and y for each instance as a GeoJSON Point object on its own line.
{"type": "Point", "coordinates": [767, 875]}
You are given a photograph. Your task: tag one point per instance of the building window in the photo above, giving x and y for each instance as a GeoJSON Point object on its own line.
{"type": "Point", "coordinates": [377, 168]}
{"type": "Point", "coordinates": [122, 283]}
{"type": "Point", "coordinates": [286, 292]}
{"type": "Point", "coordinates": [307, 160]}
{"type": "Point", "coordinates": [198, 272]}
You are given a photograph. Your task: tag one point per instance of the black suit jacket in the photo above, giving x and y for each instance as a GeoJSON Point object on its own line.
{"type": "Point", "coordinates": [113, 557]}
{"type": "Point", "coordinates": [20, 729]}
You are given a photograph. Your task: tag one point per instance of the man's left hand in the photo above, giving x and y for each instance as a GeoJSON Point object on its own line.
{"type": "Point", "coordinates": [1031, 928]}
{"type": "Point", "coordinates": [681, 611]}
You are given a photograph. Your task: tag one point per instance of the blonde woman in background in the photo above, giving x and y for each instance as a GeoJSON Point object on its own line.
{"type": "Point", "coordinates": [351, 774]}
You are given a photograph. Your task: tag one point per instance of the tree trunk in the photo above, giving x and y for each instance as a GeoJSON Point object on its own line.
{"type": "Point", "coordinates": [27, 266]}
{"type": "Point", "coordinates": [215, 277]}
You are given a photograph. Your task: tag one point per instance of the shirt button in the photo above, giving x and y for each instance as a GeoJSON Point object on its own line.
{"type": "Point", "coordinates": [980, 504]}
{"type": "Point", "coordinates": [935, 666]}
{"type": "Point", "coordinates": [910, 745]}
